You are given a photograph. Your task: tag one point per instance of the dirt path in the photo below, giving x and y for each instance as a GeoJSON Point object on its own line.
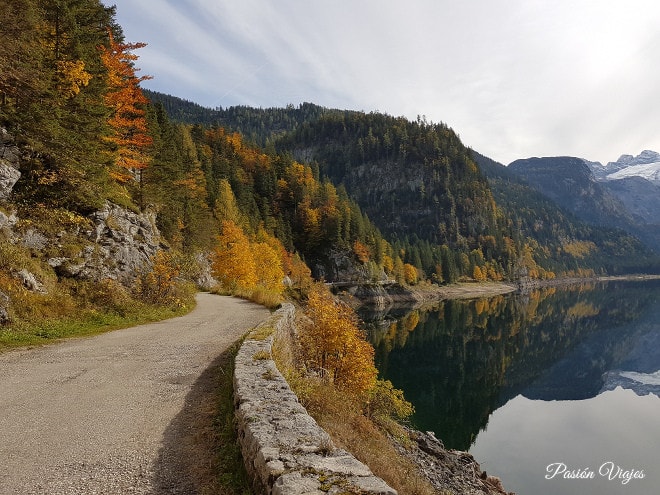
{"type": "Point", "coordinates": [114, 414]}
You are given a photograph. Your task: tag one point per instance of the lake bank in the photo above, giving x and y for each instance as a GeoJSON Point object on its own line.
{"type": "Point", "coordinates": [383, 296]}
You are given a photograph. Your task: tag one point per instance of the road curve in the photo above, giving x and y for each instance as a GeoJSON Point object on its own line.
{"type": "Point", "coordinates": [115, 413]}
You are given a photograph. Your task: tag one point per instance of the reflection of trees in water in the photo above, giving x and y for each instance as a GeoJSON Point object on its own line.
{"type": "Point", "coordinates": [463, 359]}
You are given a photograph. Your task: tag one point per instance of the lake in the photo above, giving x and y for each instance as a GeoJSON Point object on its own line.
{"type": "Point", "coordinates": [555, 390]}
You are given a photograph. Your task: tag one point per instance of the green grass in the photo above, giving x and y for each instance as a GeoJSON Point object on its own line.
{"type": "Point", "coordinates": [230, 468]}
{"type": "Point", "coordinates": [87, 323]}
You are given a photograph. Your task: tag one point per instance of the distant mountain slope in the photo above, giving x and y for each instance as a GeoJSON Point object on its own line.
{"type": "Point", "coordinates": [640, 196]}
{"type": "Point", "coordinates": [573, 185]}
{"type": "Point", "coordinates": [570, 183]}
{"type": "Point", "coordinates": [258, 125]}
{"type": "Point", "coordinates": [557, 229]}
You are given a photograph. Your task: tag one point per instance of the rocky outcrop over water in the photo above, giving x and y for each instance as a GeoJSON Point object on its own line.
{"type": "Point", "coordinates": [285, 451]}
{"type": "Point", "coordinates": [449, 471]}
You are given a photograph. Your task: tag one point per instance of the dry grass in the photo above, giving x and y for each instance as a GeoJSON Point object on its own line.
{"type": "Point", "coordinates": [351, 430]}
{"type": "Point", "coordinates": [342, 417]}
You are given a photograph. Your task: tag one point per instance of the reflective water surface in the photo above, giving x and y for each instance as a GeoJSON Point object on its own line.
{"type": "Point", "coordinates": [555, 391]}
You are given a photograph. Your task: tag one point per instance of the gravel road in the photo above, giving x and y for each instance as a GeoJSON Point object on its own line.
{"type": "Point", "coordinates": [117, 413]}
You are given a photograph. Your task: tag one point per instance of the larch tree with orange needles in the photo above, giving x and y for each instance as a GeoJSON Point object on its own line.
{"type": "Point", "coordinates": [130, 138]}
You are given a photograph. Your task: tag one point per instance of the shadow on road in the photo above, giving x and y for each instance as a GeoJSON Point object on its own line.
{"type": "Point", "coordinates": [200, 454]}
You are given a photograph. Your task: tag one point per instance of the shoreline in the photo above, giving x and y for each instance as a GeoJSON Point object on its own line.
{"type": "Point", "coordinates": [379, 296]}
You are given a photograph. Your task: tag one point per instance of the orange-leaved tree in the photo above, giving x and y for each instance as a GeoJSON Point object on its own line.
{"type": "Point", "coordinates": [334, 346]}
{"type": "Point", "coordinates": [130, 137]}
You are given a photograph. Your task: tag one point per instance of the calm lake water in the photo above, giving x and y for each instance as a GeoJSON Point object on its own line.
{"type": "Point", "coordinates": [538, 386]}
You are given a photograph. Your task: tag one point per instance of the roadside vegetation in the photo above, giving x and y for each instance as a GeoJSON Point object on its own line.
{"type": "Point", "coordinates": [64, 309]}
{"type": "Point", "coordinates": [330, 366]}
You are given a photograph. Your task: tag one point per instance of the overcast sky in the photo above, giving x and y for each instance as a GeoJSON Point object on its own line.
{"type": "Point", "coordinates": [514, 78]}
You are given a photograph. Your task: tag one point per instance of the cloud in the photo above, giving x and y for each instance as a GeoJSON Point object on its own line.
{"type": "Point", "coordinates": [514, 78]}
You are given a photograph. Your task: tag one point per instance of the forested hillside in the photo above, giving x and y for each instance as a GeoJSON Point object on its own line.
{"type": "Point", "coordinates": [437, 202]}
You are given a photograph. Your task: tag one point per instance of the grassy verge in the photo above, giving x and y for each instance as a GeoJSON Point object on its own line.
{"type": "Point", "coordinates": [232, 476]}
{"type": "Point", "coordinates": [365, 438]}
{"type": "Point", "coordinates": [85, 323]}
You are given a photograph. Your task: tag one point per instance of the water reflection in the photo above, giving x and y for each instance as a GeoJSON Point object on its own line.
{"type": "Point", "coordinates": [462, 360]}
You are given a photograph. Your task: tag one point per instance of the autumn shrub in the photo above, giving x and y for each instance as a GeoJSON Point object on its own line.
{"type": "Point", "coordinates": [265, 297]}
{"type": "Point", "coordinates": [387, 405]}
{"type": "Point", "coordinates": [160, 284]}
{"type": "Point", "coordinates": [334, 347]}
{"type": "Point", "coordinates": [106, 294]}
{"type": "Point", "coordinates": [359, 414]}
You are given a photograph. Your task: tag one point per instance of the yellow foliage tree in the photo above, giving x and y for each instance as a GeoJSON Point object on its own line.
{"type": "Point", "coordinates": [268, 266]}
{"type": "Point", "coordinates": [73, 77]}
{"type": "Point", "coordinates": [478, 274]}
{"type": "Point", "coordinates": [361, 251]}
{"type": "Point", "coordinates": [410, 274]}
{"type": "Point", "coordinates": [334, 346]}
{"type": "Point", "coordinates": [226, 207]}
{"type": "Point", "coordinates": [233, 262]}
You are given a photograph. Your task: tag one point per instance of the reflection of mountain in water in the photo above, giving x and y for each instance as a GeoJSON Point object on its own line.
{"type": "Point", "coordinates": [640, 371]}
{"type": "Point", "coordinates": [589, 368]}
{"type": "Point", "coordinates": [461, 361]}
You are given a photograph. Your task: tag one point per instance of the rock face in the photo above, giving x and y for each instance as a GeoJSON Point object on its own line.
{"type": "Point", "coordinates": [449, 471]}
{"type": "Point", "coordinates": [285, 451]}
{"type": "Point", "coordinates": [122, 243]}
{"type": "Point", "coordinates": [9, 158]}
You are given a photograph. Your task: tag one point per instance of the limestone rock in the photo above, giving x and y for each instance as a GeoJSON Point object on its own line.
{"type": "Point", "coordinates": [29, 281]}
{"type": "Point", "coordinates": [7, 221]}
{"type": "Point", "coordinates": [34, 240]}
{"type": "Point", "coordinates": [9, 160]}
{"type": "Point", "coordinates": [8, 178]}
{"type": "Point", "coordinates": [204, 278]}
{"type": "Point", "coordinates": [122, 243]}
{"type": "Point", "coordinates": [4, 302]}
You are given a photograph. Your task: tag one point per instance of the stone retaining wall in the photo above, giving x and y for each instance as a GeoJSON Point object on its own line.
{"type": "Point", "coordinates": [285, 451]}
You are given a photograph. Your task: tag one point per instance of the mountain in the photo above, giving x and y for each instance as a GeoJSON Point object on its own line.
{"type": "Point", "coordinates": [635, 181]}
{"type": "Point", "coordinates": [436, 201]}
{"type": "Point", "coordinates": [588, 190]}
{"type": "Point", "coordinates": [570, 183]}
{"type": "Point", "coordinates": [560, 231]}
{"type": "Point", "coordinates": [645, 165]}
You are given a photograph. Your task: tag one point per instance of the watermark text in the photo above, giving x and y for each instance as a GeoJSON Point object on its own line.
{"type": "Point", "coordinates": [608, 470]}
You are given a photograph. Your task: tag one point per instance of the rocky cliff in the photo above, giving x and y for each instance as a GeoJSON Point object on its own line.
{"type": "Point", "coordinates": [111, 243]}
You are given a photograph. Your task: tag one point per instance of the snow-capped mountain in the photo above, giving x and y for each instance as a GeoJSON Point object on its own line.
{"type": "Point", "coordinates": [624, 194]}
{"type": "Point", "coordinates": [645, 165]}
{"type": "Point", "coordinates": [635, 181]}
{"type": "Point", "coordinates": [648, 171]}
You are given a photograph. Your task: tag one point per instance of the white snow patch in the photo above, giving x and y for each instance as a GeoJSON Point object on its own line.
{"type": "Point", "coordinates": [645, 378]}
{"type": "Point", "coordinates": [648, 171]}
